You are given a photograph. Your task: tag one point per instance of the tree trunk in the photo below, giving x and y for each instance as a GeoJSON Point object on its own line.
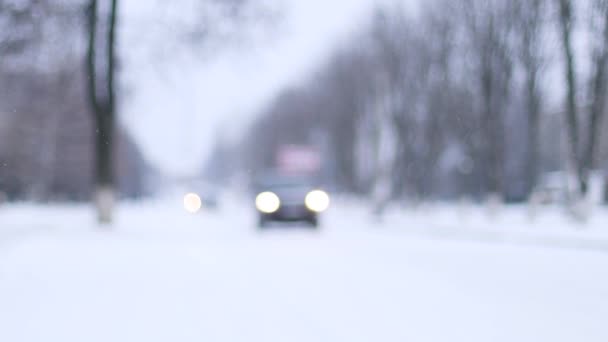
{"type": "Point", "coordinates": [529, 28]}
{"type": "Point", "coordinates": [598, 104]}
{"type": "Point", "coordinates": [104, 177]}
{"type": "Point", "coordinates": [103, 107]}
{"type": "Point", "coordinates": [533, 132]}
{"type": "Point", "coordinates": [605, 189]}
{"type": "Point", "coordinates": [491, 133]}
{"type": "Point", "coordinates": [566, 23]}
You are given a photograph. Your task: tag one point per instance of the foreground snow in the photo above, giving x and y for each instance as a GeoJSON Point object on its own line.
{"type": "Point", "coordinates": [162, 275]}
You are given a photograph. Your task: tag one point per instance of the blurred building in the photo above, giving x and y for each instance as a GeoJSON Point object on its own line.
{"type": "Point", "coordinates": [46, 128]}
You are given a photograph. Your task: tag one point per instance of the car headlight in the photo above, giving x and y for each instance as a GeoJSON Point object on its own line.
{"type": "Point", "coordinates": [267, 202]}
{"type": "Point", "coordinates": [192, 203]}
{"type": "Point", "coordinates": [317, 201]}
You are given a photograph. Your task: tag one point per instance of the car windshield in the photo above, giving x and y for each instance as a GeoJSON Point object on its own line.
{"type": "Point", "coordinates": [290, 190]}
{"type": "Point", "coordinates": [303, 170]}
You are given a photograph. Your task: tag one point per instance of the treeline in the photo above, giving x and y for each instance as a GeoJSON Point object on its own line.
{"type": "Point", "coordinates": [46, 128]}
{"type": "Point", "coordinates": [470, 98]}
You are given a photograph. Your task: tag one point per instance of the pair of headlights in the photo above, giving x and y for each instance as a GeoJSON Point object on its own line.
{"type": "Point", "coordinates": [268, 202]}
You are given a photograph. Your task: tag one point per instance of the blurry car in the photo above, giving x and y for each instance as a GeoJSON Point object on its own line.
{"type": "Point", "coordinates": [290, 201]}
{"type": "Point", "coordinates": [208, 193]}
{"type": "Point", "coordinates": [200, 196]}
{"type": "Point", "coordinates": [209, 200]}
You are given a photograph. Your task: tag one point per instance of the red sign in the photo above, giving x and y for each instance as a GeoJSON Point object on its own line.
{"type": "Point", "coordinates": [298, 159]}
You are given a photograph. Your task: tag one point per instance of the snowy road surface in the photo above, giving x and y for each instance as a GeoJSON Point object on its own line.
{"type": "Point", "coordinates": [161, 275]}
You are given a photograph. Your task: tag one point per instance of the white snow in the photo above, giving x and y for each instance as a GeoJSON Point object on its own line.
{"type": "Point", "coordinates": [430, 274]}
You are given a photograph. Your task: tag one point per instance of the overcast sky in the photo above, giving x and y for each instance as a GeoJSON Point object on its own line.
{"type": "Point", "coordinates": [176, 106]}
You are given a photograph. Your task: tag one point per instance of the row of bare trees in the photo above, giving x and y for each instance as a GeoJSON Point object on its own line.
{"type": "Point", "coordinates": [586, 93]}
{"type": "Point", "coordinates": [469, 97]}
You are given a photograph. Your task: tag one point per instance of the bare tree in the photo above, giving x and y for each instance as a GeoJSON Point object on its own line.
{"type": "Point", "coordinates": [488, 29]}
{"type": "Point", "coordinates": [101, 70]}
{"type": "Point", "coordinates": [597, 87]}
{"type": "Point", "coordinates": [566, 24]}
{"type": "Point", "coordinates": [584, 121]}
{"type": "Point", "coordinates": [19, 28]}
{"type": "Point", "coordinates": [529, 25]}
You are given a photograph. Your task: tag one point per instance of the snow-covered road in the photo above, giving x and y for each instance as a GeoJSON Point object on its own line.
{"type": "Point", "coordinates": [161, 275]}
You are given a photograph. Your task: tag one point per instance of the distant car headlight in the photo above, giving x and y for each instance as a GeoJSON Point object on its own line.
{"type": "Point", "coordinates": [192, 203]}
{"type": "Point", "coordinates": [267, 202]}
{"type": "Point", "coordinates": [317, 201]}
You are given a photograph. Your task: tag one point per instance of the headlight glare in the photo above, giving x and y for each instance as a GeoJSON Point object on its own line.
{"type": "Point", "coordinates": [192, 203]}
{"type": "Point", "coordinates": [317, 201]}
{"type": "Point", "coordinates": [267, 202]}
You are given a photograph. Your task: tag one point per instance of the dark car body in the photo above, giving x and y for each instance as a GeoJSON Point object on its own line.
{"type": "Point", "coordinates": [292, 194]}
